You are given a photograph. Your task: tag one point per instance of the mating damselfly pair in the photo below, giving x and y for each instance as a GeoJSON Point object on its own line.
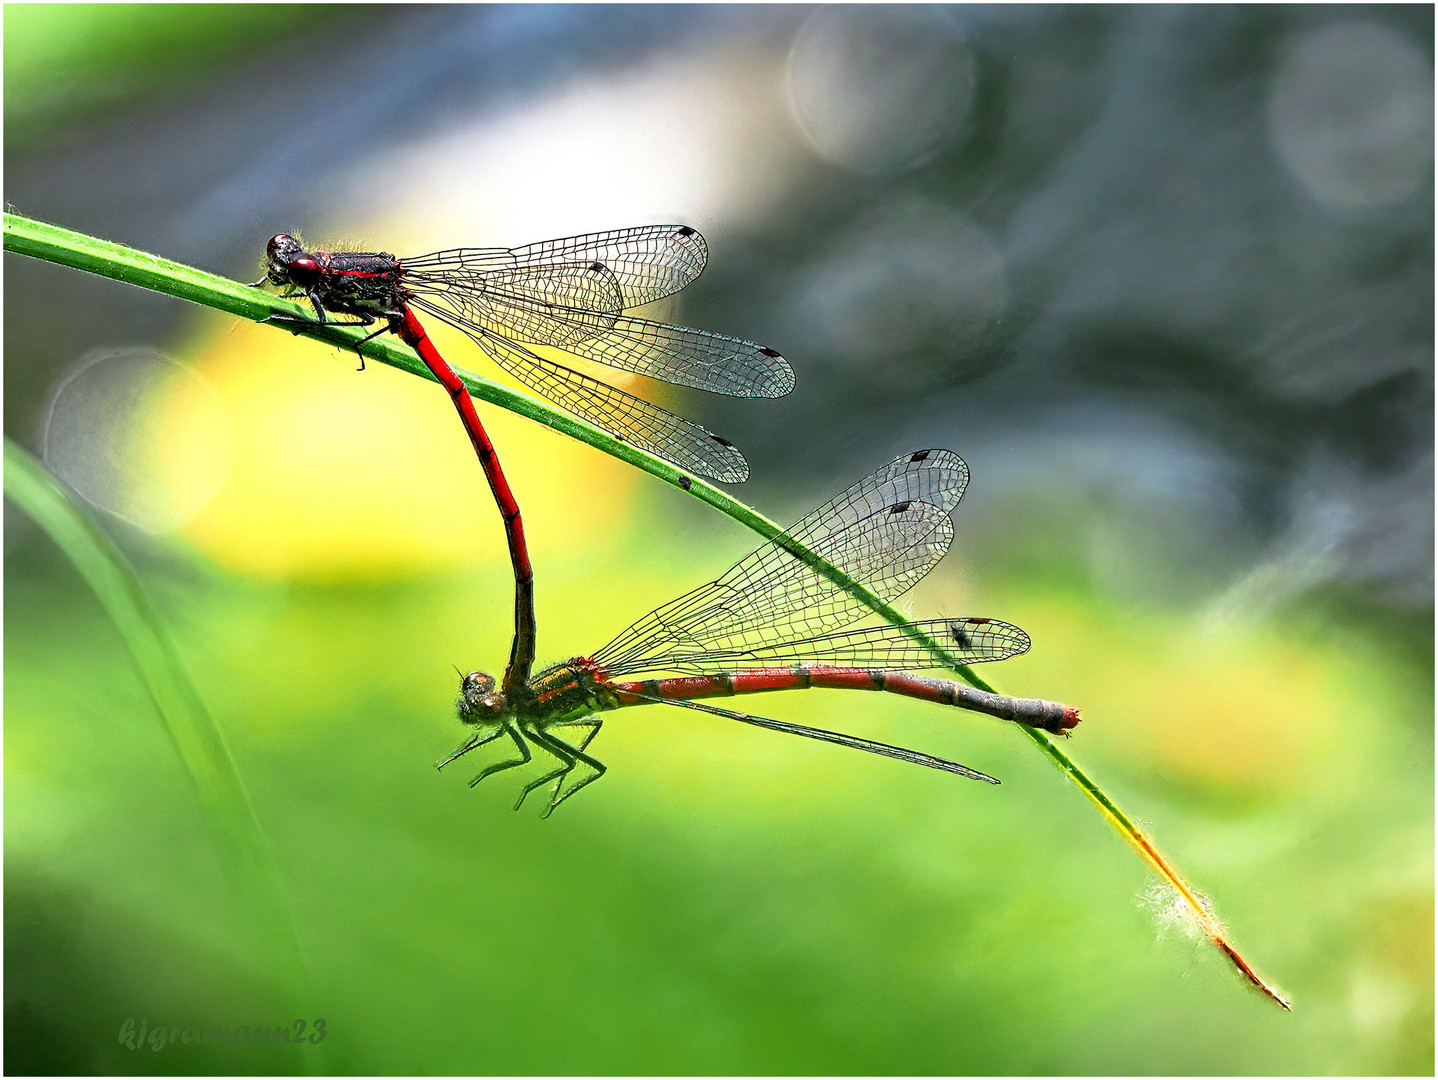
{"type": "Point", "coordinates": [775, 620]}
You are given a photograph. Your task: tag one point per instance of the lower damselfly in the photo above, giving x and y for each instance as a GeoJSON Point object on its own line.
{"type": "Point", "coordinates": [773, 622]}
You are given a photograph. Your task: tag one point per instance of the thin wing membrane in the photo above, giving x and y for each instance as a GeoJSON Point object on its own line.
{"type": "Point", "coordinates": [887, 531]}
{"type": "Point", "coordinates": [576, 307]}
{"type": "Point", "coordinates": [887, 648]}
{"type": "Point", "coordinates": [623, 415]}
{"type": "Point", "coordinates": [646, 262]}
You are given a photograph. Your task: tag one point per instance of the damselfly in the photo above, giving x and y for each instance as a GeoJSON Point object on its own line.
{"type": "Point", "coordinates": [571, 295]}
{"type": "Point", "coordinates": [774, 623]}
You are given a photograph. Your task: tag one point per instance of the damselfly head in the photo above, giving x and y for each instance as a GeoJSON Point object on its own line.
{"type": "Point", "coordinates": [289, 263]}
{"type": "Point", "coordinates": [479, 701]}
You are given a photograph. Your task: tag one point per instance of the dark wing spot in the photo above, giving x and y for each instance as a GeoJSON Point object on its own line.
{"type": "Point", "coordinates": [900, 507]}
{"type": "Point", "coordinates": [721, 441]}
{"type": "Point", "coordinates": [920, 455]}
{"type": "Point", "coordinates": [684, 230]}
{"type": "Point", "coordinates": [771, 354]}
{"type": "Point", "coordinates": [596, 266]}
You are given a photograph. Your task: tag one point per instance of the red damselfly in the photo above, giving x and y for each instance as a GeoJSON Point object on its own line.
{"type": "Point", "coordinates": [773, 623]}
{"type": "Point", "coordinates": [569, 294]}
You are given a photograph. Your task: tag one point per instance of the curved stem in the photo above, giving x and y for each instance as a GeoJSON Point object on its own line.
{"type": "Point", "coordinates": [43, 241]}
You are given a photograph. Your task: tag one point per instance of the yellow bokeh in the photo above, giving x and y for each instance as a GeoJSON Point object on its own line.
{"type": "Point", "coordinates": [342, 475]}
{"type": "Point", "coordinates": [1200, 707]}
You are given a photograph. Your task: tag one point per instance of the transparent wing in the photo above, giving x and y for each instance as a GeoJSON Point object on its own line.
{"type": "Point", "coordinates": [576, 307]}
{"type": "Point", "coordinates": [887, 648]}
{"type": "Point", "coordinates": [887, 531]}
{"type": "Point", "coordinates": [623, 415]}
{"type": "Point", "coordinates": [646, 262]}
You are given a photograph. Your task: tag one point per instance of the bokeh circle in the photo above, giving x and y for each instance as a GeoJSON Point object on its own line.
{"type": "Point", "coordinates": [139, 435]}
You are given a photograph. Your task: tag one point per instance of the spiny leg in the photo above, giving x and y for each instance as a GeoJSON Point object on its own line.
{"type": "Point", "coordinates": [474, 743]}
{"type": "Point", "coordinates": [534, 733]}
{"type": "Point", "coordinates": [297, 323]}
{"type": "Point", "coordinates": [593, 723]}
{"type": "Point", "coordinates": [577, 752]}
{"type": "Point", "coordinates": [553, 745]}
{"type": "Point", "coordinates": [499, 766]}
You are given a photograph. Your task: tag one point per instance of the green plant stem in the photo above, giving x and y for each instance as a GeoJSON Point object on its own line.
{"type": "Point", "coordinates": [225, 807]}
{"type": "Point", "coordinates": [43, 241]}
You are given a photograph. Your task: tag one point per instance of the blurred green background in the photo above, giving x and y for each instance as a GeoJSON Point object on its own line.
{"type": "Point", "coordinates": [1163, 276]}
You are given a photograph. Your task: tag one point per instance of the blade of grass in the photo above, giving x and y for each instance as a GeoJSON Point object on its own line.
{"type": "Point", "coordinates": [43, 241]}
{"type": "Point", "coordinates": [226, 808]}
{"type": "Point", "coordinates": [1200, 910]}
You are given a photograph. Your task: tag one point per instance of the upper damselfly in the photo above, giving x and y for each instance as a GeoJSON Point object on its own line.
{"type": "Point", "coordinates": [571, 295]}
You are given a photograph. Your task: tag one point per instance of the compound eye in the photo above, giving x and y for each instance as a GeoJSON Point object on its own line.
{"type": "Point", "coordinates": [477, 683]}
{"type": "Point", "coordinates": [282, 244]}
